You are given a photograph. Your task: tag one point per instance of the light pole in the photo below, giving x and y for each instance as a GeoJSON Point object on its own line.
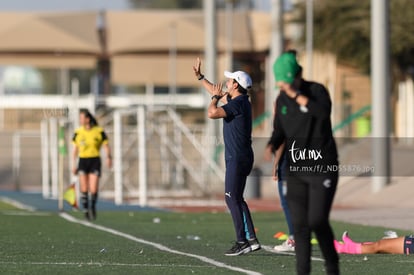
{"type": "Point", "coordinates": [229, 34]}
{"type": "Point", "coordinates": [309, 38]}
{"type": "Point", "coordinates": [210, 56]}
{"type": "Point", "coordinates": [276, 48]}
{"type": "Point", "coordinates": [103, 66]}
{"type": "Point", "coordinates": [380, 93]}
{"type": "Point", "coordinates": [173, 64]}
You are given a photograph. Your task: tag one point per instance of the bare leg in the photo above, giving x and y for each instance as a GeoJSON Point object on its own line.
{"type": "Point", "coordinates": [392, 246]}
{"type": "Point", "coordinates": [84, 183]}
{"type": "Point", "coordinates": [93, 181]}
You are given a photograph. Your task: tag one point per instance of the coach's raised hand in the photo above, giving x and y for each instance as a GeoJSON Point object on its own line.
{"type": "Point", "coordinates": [197, 70]}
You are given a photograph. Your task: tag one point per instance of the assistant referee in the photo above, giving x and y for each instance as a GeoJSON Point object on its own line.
{"type": "Point", "coordinates": [87, 141]}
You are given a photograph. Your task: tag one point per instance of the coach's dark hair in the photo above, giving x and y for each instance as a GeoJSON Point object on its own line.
{"type": "Point", "coordinates": [92, 119]}
{"type": "Point", "coordinates": [240, 88]}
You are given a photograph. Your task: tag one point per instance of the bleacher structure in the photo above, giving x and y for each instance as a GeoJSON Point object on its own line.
{"type": "Point", "coordinates": [157, 155]}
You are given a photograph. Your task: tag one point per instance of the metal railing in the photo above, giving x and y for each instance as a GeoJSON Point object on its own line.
{"type": "Point", "coordinates": [161, 140]}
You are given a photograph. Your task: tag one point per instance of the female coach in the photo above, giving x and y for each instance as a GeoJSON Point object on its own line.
{"type": "Point", "coordinates": [237, 131]}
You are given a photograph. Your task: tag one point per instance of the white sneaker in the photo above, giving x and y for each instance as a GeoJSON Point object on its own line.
{"type": "Point", "coordinates": [390, 234]}
{"type": "Point", "coordinates": [286, 246]}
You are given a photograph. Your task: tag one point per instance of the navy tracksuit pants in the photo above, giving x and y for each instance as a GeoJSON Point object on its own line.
{"type": "Point", "coordinates": [235, 182]}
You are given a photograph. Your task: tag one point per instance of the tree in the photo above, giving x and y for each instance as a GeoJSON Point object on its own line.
{"type": "Point", "coordinates": [344, 29]}
{"type": "Point", "coordinates": [402, 35]}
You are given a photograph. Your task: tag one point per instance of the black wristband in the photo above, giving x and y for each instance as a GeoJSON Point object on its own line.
{"type": "Point", "coordinates": [296, 96]}
{"type": "Point", "coordinates": [201, 77]}
{"type": "Point", "coordinates": [216, 97]}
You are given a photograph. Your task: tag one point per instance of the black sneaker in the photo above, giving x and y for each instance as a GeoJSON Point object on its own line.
{"type": "Point", "coordinates": [238, 249]}
{"type": "Point", "coordinates": [254, 244]}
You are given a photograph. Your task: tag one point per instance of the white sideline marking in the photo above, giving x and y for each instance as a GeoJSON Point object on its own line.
{"type": "Point", "coordinates": [270, 249]}
{"type": "Point", "coordinates": [17, 204]}
{"type": "Point", "coordinates": [156, 245]}
{"type": "Point", "coordinates": [99, 264]}
{"type": "Point", "coordinates": [23, 213]}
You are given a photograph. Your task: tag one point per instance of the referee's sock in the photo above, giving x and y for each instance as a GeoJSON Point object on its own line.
{"type": "Point", "coordinates": [84, 200]}
{"type": "Point", "coordinates": [94, 198]}
{"type": "Point", "coordinates": [85, 204]}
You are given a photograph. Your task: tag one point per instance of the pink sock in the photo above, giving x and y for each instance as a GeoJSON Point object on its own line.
{"type": "Point", "coordinates": [352, 247]}
{"type": "Point", "coordinates": [346, 238]}
{"type": "Point", "coordinates": [348, 248]}
{"type": "Point", "coordinates": [338, 246]}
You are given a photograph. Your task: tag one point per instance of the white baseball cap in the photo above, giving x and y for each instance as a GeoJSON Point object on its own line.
{"type": "Point", "coordinates": [241, 77]}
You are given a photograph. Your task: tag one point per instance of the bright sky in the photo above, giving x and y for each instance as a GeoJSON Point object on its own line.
{"type": "Point", "coordinates": [76, 5]}
{"type": "Point", "coordinates": [53, 5]}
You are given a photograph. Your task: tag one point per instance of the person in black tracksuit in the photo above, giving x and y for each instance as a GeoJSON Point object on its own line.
{"type": "Point", "coordinates": [302, 122]}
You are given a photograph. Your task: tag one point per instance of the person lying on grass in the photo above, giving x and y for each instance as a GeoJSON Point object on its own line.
{"type": "Point", "coordinates": [398, 245]}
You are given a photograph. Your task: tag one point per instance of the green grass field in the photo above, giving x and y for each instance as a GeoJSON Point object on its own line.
{"type": "Point", "coordinates": [180, 243]}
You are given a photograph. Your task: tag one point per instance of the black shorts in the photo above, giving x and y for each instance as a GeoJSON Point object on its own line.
{"type": "Point", "coordinates": [409, 245]}
{"type": "Point", "coordinates": [89, 166]}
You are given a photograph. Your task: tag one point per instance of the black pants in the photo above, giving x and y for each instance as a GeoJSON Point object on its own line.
{"type": "Point", "coordinates": [235, 182]}
{"type": "Point", "coordinates": [310, 200]}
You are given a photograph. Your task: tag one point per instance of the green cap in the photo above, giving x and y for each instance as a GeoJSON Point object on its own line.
{"type": "Point", "coordinates": [286, 68]}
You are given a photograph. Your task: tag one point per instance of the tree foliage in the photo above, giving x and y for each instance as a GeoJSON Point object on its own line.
{"type": "Point", "coordinates": [402, 35]}
{"type": "Point", "coordinates": [344, 29]}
